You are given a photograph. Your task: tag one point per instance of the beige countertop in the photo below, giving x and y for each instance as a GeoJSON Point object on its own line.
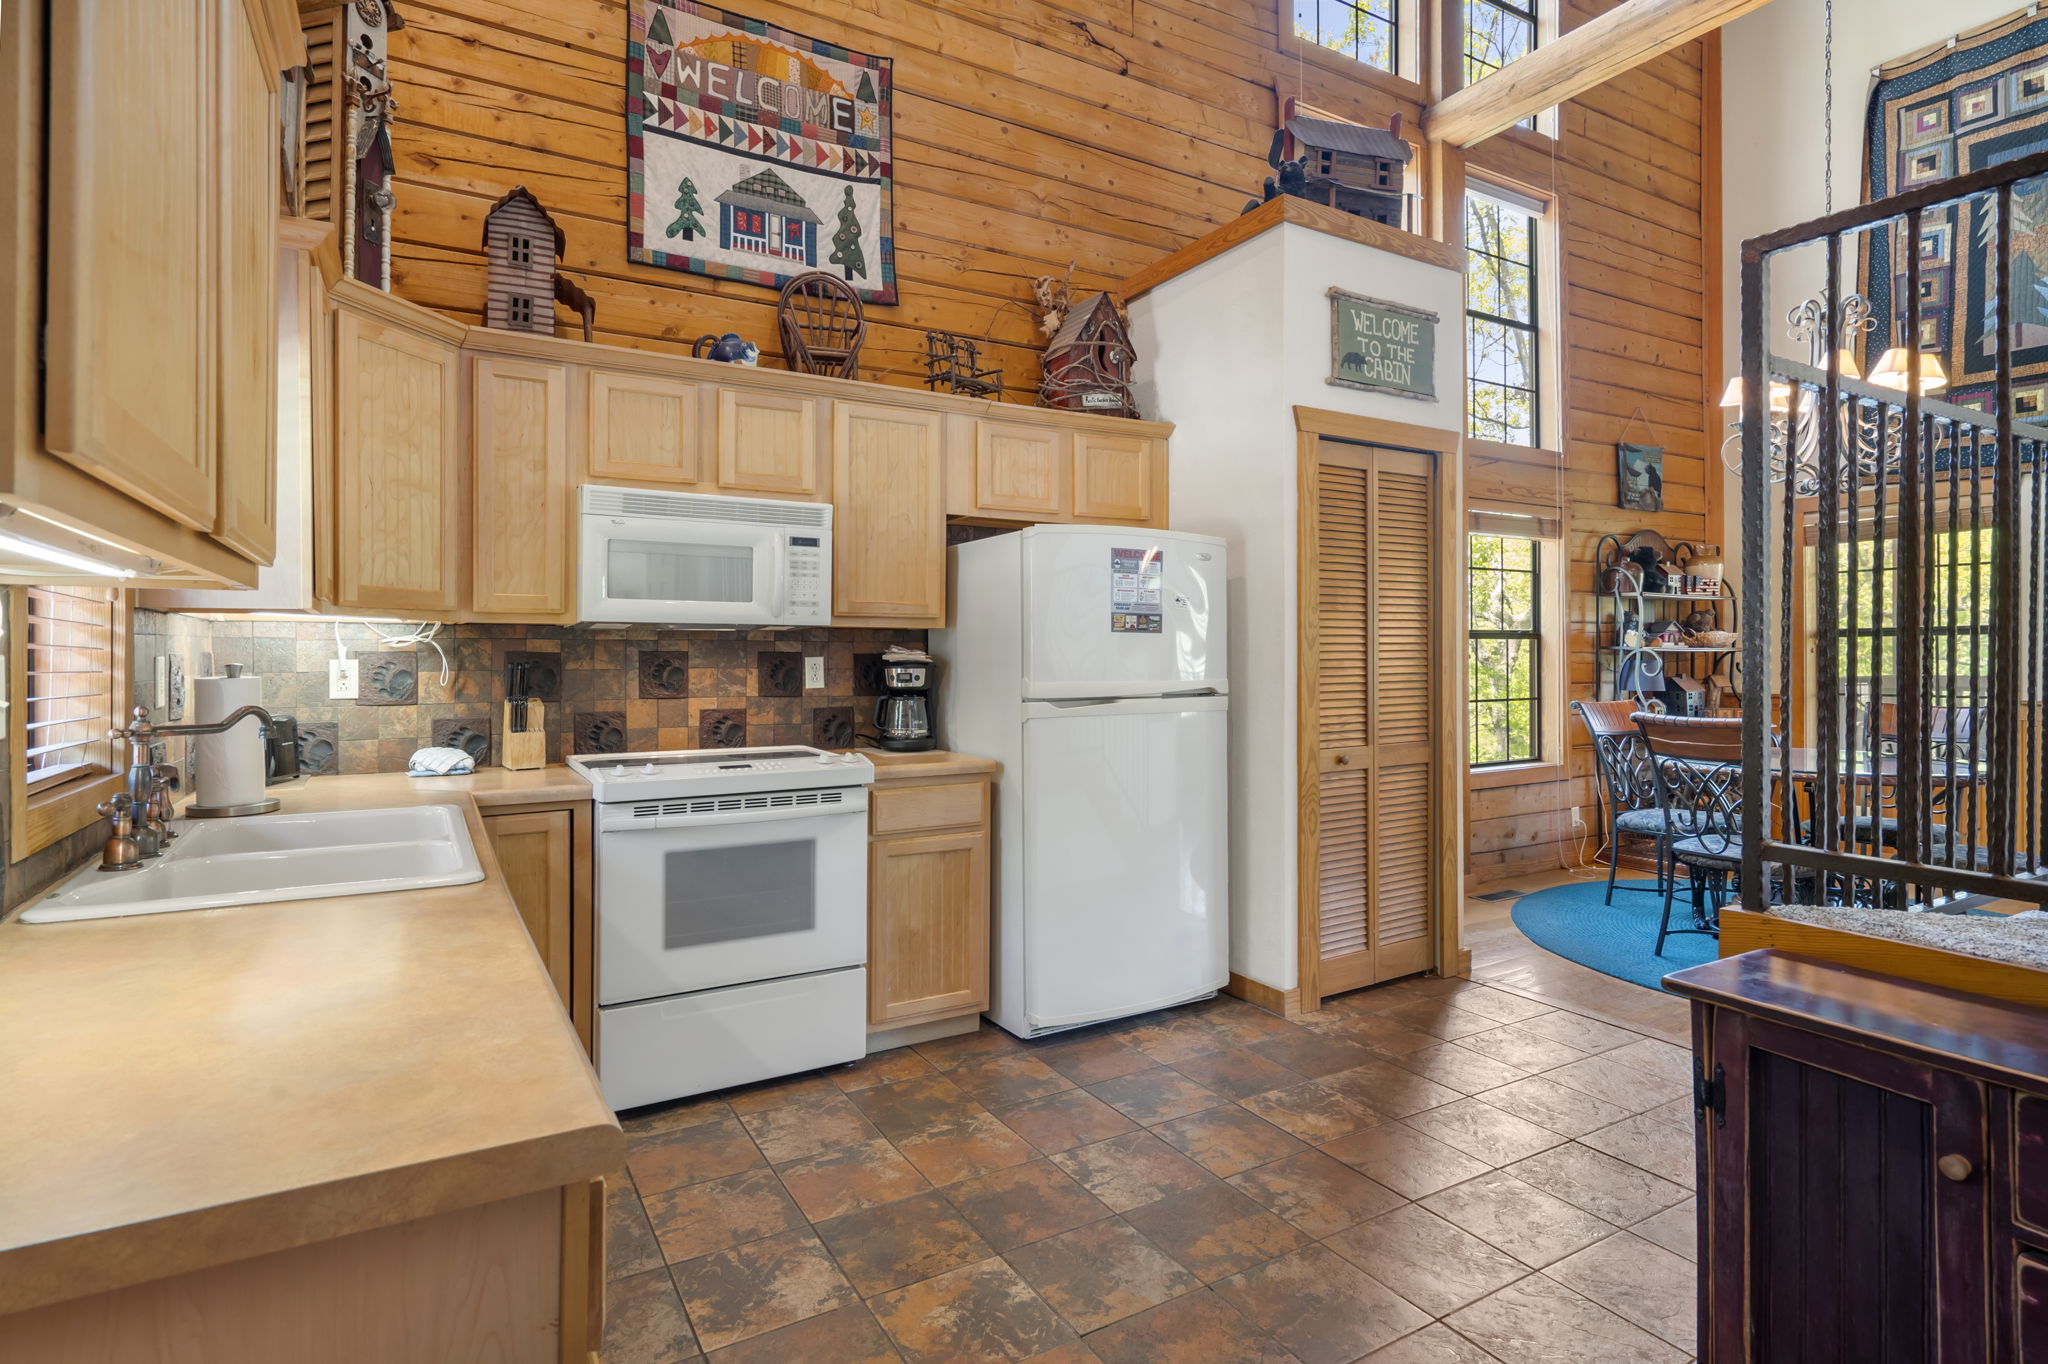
{"type": "Point", "coordinates": [935, 765]}
{"type": "Point", "coordinates": [183, 1090]}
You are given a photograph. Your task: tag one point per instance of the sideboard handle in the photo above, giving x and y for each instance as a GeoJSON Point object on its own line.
{"type": "Point", "coordinates": [1955, 1168]}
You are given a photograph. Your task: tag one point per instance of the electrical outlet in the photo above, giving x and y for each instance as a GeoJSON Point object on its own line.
{"type": "Point", "coordinates": [814, 673]}
{"type": "Point", "coordinates": [163, 684]}
{"type": "Point", "coordinates": [1577, 823]}
{"type": "Point", "coordinates": [341, 679]}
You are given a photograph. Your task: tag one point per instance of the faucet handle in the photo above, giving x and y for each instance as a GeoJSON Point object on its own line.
{"type": "Point", "coordinates": [167, 775]}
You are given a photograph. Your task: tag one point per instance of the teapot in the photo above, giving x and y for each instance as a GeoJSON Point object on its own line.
{"type": "Point", "coordinates": [728, 348]}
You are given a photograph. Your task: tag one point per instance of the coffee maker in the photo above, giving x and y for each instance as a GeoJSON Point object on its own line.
{"type": "Point", "coordinates": [903, 712]}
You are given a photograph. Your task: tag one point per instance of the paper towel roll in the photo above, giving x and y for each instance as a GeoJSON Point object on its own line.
{"type": "Point", "coordinates": [231, 764]}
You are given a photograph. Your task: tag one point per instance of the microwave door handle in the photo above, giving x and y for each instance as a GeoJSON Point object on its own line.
{"type": "Point", "coordinates": [780, 604]}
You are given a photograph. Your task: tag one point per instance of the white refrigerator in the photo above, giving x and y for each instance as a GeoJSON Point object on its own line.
{"type": "Point", "coordinates": [1090, 661]}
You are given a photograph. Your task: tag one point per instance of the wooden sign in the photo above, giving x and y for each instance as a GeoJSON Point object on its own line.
{"type": "Point", "coordinates": [1382, 347]}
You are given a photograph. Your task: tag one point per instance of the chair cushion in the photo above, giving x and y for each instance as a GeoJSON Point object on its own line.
{"type": "Point", "coordinates": [1652, 821]}
{"type": "Point", "coordinates": [1723, 850]}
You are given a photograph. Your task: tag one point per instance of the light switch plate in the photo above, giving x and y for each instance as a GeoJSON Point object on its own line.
{"type": "Point", "coordinates": [814, 673]}
{"type": "Point", "coordinates": [341, 679]}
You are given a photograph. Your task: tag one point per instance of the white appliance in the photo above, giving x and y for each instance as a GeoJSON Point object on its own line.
{"type": "Point", "coordinates": [732, 916]}
{"type": "Point", "coordinates": [1090, 661]}
{"type": "Point", "coordinates": [690, 559]}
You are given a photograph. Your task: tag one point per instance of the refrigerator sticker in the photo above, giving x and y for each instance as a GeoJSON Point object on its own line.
{"type": "Point", "coordinates": [1134, 600]}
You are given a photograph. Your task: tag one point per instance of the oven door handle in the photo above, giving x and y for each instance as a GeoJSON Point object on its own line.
{"type": "Point", "coordinates": [625, 824]}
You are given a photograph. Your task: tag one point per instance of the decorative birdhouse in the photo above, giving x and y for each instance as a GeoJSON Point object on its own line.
{"type": "Point", "coordinates": [521, 247]}
{"type": "Point", "coordinates": [1349, 166]}
{"type": "Point", "coordinates": [1089, 359]}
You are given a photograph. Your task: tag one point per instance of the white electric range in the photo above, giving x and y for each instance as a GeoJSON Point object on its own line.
{"type": "Point", "coordinates": [731, 916]}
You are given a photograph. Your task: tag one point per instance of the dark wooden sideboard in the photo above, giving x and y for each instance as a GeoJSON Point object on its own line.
{"type": "Point", "coordinates": [1873, 1167]}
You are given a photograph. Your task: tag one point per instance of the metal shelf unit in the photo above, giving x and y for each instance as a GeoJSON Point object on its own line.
{"type": "Point", "coordinates": [1642, 672]}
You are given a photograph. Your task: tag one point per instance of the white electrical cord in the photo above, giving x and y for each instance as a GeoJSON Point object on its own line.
{"type": "Point", "coordinates": [421, 632]}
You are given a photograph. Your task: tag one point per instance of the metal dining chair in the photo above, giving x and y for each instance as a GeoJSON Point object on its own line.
{"type": "Point", "coordinates": [1695, 764]}
{"type": "Point", "coordinates": [1627, 794]}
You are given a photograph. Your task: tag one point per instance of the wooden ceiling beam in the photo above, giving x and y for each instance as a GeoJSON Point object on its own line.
{"type": "Point", "coordinates": [1592, 54]}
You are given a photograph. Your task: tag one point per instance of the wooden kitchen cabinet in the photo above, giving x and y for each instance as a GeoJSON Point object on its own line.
{"type": "Point", "coordinates": [1117, 478]}
{"type": "Point", "coordinates": [519, 443]}
{"type": "Point", "coordinates": [1020, 467]}
{"type": "Point", "coordinates": [1028, 470]}
{"type": "Point", "coordinates": [928, 892]}
{"type": "Point", "coordinates": [544, 852]}
{"type": "Point", "coordinates": [888, 516]}
{"type": "Point", "coordinates": [643, 429]}
{"type": "Point", "coordinates": [767, 444]}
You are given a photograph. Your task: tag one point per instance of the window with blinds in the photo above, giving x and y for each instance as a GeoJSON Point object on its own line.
{"type": "Point", "coordinates": [67, 694]}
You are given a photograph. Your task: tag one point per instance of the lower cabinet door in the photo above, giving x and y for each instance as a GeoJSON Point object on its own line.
{"type": "Point", "coordinates": [927, 927]}
{"type": "Point", "coordinates": [533, 850]}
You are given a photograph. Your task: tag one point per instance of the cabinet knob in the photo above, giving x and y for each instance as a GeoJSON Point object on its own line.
{"type": "Point", "coordinates": [1955, 1168]}
{"type": "Point", "coordinates": [1342, 760]}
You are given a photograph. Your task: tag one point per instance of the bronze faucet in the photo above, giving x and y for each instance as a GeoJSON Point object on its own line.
{"type": "Point", "coordinates": [123, 851]}
{"type": "Point", "coordinates": [150, 783]}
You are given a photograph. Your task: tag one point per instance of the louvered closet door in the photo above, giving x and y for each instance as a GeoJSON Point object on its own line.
{"type": "Point", "coordinates": [1371, 688]}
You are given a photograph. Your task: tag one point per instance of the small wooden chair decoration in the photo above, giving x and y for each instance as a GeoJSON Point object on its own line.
{"type": "Point", "coordinates": [955, 362]}
{"type": "Point", "coordinates": [822, 325]}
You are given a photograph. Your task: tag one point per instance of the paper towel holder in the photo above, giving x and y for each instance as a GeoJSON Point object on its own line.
{"type": "Point", "coordinates": [141, 734]}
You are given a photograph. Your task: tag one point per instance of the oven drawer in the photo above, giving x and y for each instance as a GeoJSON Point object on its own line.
{"type": "Point", "coordinates": [672, 1048]}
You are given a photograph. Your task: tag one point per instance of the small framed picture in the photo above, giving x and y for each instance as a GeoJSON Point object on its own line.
{"type": "Point", "coordinates": [1641, 471]}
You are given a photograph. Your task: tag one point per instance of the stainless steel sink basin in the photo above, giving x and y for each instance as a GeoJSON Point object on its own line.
{"type": "Point", "coordinates": [278, 857]}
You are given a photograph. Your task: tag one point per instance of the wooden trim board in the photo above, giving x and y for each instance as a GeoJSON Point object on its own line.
{"type": "Point", "coordinates": [1302, 213]}
{"type": "Point", "coordinates": [1316, 421]}
{"type": "Point", "coordinates": [1746, 931]}
{"type": "Point", "coordinates": [1286, 1003]}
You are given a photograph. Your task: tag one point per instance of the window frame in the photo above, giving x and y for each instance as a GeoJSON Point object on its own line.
{"type": "Point", "coordinates": [1540, 571]}
{"type": "Point", "coordinates": [41, 816]}
{"type": "Point", "coordinates": [1540, 326]}
{"type": "Point", "coordinates": [1532, 15]}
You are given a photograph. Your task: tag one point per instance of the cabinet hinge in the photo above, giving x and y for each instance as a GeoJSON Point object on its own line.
{"type": "Point", "coordinates": [1710, 1094]}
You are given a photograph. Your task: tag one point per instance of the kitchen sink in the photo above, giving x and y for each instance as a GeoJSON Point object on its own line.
{"type": "Point", "coordinates": [259, 859]}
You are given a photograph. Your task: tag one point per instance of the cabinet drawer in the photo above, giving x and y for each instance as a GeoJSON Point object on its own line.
{"type": "Point", "coordinates": [2030, 1161]}
{"type": "Point", "coordinates": [927, 807]}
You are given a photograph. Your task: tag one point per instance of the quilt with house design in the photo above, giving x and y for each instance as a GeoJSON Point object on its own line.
{"type": "Point", "coordinates": [756, 154]}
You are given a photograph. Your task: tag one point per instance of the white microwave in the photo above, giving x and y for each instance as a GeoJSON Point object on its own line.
{"type": "Point", "coordinates": [690, 559]}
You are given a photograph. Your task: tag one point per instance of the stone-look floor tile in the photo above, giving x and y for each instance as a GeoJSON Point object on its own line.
{"type": "Point", "coordinates": [1576, 1030]}
{"type": "Point", "coordinates": [1425, 1259]}
{"type": "Point", "coordinates": [736, 1294]}
{"type": "Point", "coordinates": [1539, 1318]}
{"type": "Point", "coordinates": [965, 1148]}
{"type": "Point", "coordinates": [1315, 1192]}
{"type": "Point", "coordinates": [1404, 1160]}
{"type": "Point", "coordinates": [1673, 1065]}
{"type": "Point", "coordinates": [700, 1218]}
{"type": "Point", "coordinates": [834, 1183]}
{"type": "Point", "coordinates": [807, 1125]}
{"type": "Point", "coordinates": [775, 1093]}
{"type": "Point", "coordinates": [1178, 1038]}
{"type": "Point", "coordinates": [1514, 1044]}
{"type": "Point", "coordinates": [669, 1117]}
{"type": "Point", "coordinates": [1459, 1068]}
{"type": "Point", "coordinates": [629, 1244]}
{"type": "Point", "coordinates": [1626, 1087]}
{"type": "Point", "coordinates": [1224, 1141]}
{"type": "Point", "coordinates": [1101, 1273]}
{"type": "Point", "coordinates": [1389, 1089]}
{"type": "Point", "coordinates": [1479, 1129]}
{"type": "Point", "coordinates": [1156, 1095]}
{"type": "Point", "coordinates": [1132, 1170]}
{"type": "Point", "coordinates": [1638, 1281]}
{"type": "Point", "coordinates": [1092, 1060]}
{"type": "Point", "coordinates": [1313, 1112]}
{"type": "Point", "coordinates": [912, 1105]}
{"type": "Point", "coordinates": [1073, 1352]}
{"type": "Point", "coordinates": [847, 1335]}
{"type": "Point", "coordinates": [1434, 1344]}
{"type": "Point", "coordinates": [1024, 1203]}
{"type": "Point", "coordinates": [1442, 1018]}
{"type": "Point", "coordinates": [1677, 1112]}
{"type": "Point", "coordinates": [981, 1311]}
{"type": "Point", "coordinates": [1215, 1231]}
{"type": "Point", "coordinates": [1238, 1073]}
{"type": "Point", "coordinates": [1196, 1328]}
{"type": "Point", "coordinates": [1312, 1054]}
{"type": "Point", "coordinates": [1501, 1005]}
{"type": "Point", "coordinates": [644, 1322]}
{"type": "Point", "coordinates": [1545, 1102]}
{"type": "Point", "coordinates": [1239, 1024]}
{"type": "Point", "coordinates": [902, 1242]}
{"type": "Point", "coordinates": [1384, 1035]}
{"type": "Point", "coordinates": [1060, 1122]}
{"type": "Point", "coordinates": [1009, 1079]}
{"type": "Point", "coordinates": [1596, 1182]}
{"type": "Point", "coordinates": [883, 1068]}
{"type": "Point", "coordinates": [1517, 1218]}
{"type": "Point", "coordinates": [1655, 1146]}
{"type": "Point", "coordinates": [688, 1155]}
{"type": "Point", "coordinates": [1676, 1229]}
{"type": "Point", "coordinates": [948, 1052]}
{"type": "Point", "coordinates": [1321, 1306]}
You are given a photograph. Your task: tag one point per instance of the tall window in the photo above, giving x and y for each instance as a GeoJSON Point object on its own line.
{"type": "Point", "coordinates": [1958, 636]}
{"type": "Point", "coordinates": [1505, 668]}
{"type": "Point", "coordinates": [1497, 32]}
{"type": "Point", "coordinates": [1366, 29]}
{"type": "Point", "coordinates": [1502, 384]}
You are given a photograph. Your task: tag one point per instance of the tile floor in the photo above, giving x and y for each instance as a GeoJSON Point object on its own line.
{"type": "Point", "coordinates": [1431, 1172]}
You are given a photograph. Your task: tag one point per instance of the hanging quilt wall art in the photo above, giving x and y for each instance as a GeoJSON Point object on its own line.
{"type": "Point", "coordinates": [756, 154]}
{"type": "Point", "coordinates": [1942, 113]}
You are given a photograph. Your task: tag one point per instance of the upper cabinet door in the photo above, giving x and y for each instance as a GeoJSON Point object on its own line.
{"type": "Point", "coordinates": [128, 391]}
{"type": "Point", "coordinates": [397, 471]}
{"type": "Point", "coordinates": [1113, 478]}
{"type": "Point", "coordinates": [519, 433]}
{"type": "Point", "coordinates": [888, 518]}
{"type": "Point", "coordinates": [767, 443]}
{"type": "Point", "coordinates": [247, 272]}
{"type": "Point", "coordinates": [1017, 468]}
{"type": "Point", "coordinates": [645, 430]}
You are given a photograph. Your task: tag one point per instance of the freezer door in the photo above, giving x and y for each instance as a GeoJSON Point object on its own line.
{"type": "Point", "coordinates": [1121, 611]}
{"type": "Point", "coordinates": [1125, 862]}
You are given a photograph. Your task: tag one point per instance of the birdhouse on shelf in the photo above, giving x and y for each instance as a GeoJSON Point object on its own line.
{"type": "Point", "coordinates": [1088, 361]}
{"type": "Point", "coordinates": [1349, 166]}
{"type": "Point", "coordinates": [522, 246]}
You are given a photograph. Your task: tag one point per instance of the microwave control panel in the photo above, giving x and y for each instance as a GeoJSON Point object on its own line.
{"type": "Point", "coordinates": [810, 580]}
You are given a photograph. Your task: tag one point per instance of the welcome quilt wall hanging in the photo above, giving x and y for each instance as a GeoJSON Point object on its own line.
{"type": "Point", "coordinates": [756, 154]}
{"type": "Point", "coordinates": [1947, 112]}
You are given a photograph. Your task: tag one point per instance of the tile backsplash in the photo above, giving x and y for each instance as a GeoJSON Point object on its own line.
{"type": "Point", "coordinates": [602, 691]}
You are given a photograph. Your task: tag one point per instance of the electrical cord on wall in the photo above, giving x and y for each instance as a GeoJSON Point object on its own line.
{"type": "Point", "coordinates": [420, 632]}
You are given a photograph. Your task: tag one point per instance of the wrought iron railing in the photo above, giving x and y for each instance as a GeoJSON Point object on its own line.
{"type": "Point", "coordinates": [1893, 547]}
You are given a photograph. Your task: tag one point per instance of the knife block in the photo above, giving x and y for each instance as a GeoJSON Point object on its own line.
{"type": "Point", "coordinates": [526, 750]}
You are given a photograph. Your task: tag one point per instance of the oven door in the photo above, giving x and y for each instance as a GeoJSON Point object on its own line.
{"type": "Point", "coordinates": [643, 570]}
{"type": "Point", "coordinates": [696, 901]}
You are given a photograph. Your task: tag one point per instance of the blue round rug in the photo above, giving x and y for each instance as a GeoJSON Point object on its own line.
{"type": "Point", "coordinates": [1615, 940]}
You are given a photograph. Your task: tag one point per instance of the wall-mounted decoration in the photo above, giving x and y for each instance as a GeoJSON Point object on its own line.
{"type": "Point", "coordinates": [722, 729]}
{"type": "Point", "coordinates": [1640, 471]}
{"type": "Point", "coordinates": [1349, 166]}
{"type": "Point", "coordinates": [388, 679]}
{"type": "Point", "coordinates": [1088, 360]}
{"type": "Point", "coordinates": [597, 732]}
{"type": "Point", "coordinates": [952, 364]}
{"type": "Point", "coordinates": [523, 248]}
{"type": "Point", "coordinates": [832, 727]}
{"type": "Point", "coordinates": [319, 748]}
{"type": "Point", "coordinates": [756, 154]}
{"type": "Point", "coordinates": [664, 675]}
{"type": "Point", "coordinates": [781, 673]}
{"type": "Point", "coordinates": [367, 163]}
{"type": "Point", "coordinates": [471, 736]}
{"type": "Point", "coordinates": [1962, 107]}
{"type": "Point", "coordinates": [1382, 347]}
{"type": "Point", "coordinates": [822, 325]}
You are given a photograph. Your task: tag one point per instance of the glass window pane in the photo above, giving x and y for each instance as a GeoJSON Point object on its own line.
{"type": "Point", "coordinates": [1364, 29]}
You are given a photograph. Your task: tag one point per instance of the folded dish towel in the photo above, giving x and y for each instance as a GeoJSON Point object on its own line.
{"type": "Point", "coordinates": [440, 762]}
